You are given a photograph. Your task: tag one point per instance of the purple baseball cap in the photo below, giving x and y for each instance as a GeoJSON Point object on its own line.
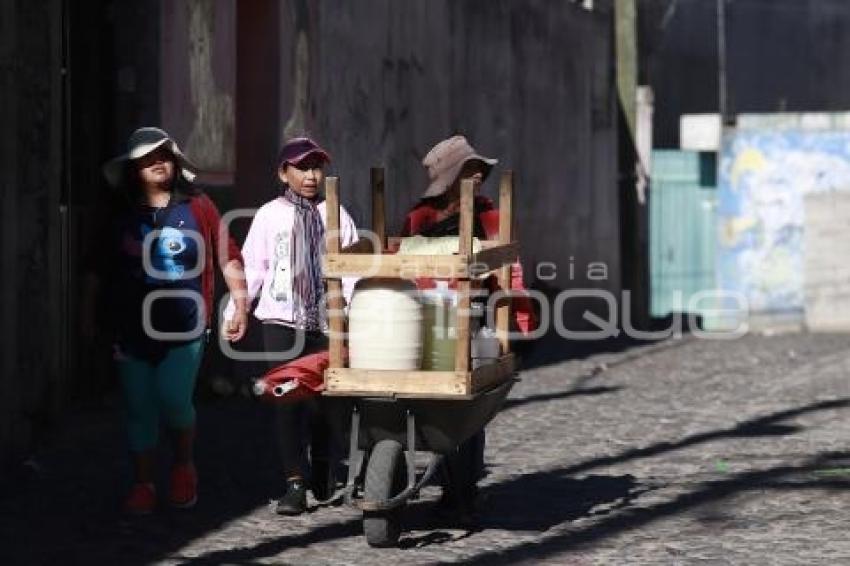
{"type": "Point", "coordinates": [298, 149]}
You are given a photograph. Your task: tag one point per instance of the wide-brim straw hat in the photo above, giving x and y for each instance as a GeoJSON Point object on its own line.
{"type": "Point", "coordinates": [142, 142]}
{"type": "Point", "coordinates": [446, 160]}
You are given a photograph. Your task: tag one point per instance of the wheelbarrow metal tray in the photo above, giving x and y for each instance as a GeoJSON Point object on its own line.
{"type": "Point", "coordinates": [441, 424]}
{"type": "Point", "coordinates": [448, 385]}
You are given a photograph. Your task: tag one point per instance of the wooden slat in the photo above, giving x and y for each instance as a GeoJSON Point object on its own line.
{"type": "Point", "coordinates": [417, 384]}
{"type": "Point", "coordinates": [394, 242]}
{"type": "Point", "coordinates": [466, 212]}
{"type": "Point", "coordinates": [388, 265]}
{"type": "Point", "coordinates": [393, 395]}
{"type": "Point", "coordinates": [389, 383]}
{"type": "Point", "coordinates": [495, 258]}
{"type": "Point", "coordinates": [332, 240]}
{"type": "Point", "coordinates": [336, 315]}
{"type": "Point", "coordinates": [463, 286]}
{"type": "Point", "coordinates": [378, 216]}
{"type": "Point", "coordinates": [503, 310]}
{"type": "Point", "coordinates": [367, 246]}
{"type": "Point", "coordinates": [487, 244]}
{"type": "Point", "coordinates": [490, 375]}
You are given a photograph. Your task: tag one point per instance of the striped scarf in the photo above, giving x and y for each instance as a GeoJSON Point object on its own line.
{"type": "Point", "coordinates": [308, 246]}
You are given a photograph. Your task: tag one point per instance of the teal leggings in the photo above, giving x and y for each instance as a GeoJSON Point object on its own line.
{"type": "Point", "coordinates": [160, 390]}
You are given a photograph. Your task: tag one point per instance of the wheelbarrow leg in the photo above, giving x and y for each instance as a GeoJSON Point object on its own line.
{"type": "Point", "coordinates": [356, 456]}
{"type": "Point", "coordinates": [415, 484]}
{"type": "Point", "coordinates": [411, 453]}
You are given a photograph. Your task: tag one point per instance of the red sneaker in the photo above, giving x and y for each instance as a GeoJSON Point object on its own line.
{"type": "Point", "coordinates": [184, 486]}
{"type": "Point", "coordinates": [141, 500]}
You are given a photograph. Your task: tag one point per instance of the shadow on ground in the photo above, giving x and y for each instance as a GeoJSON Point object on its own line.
{"type": "Point", "coordinates": [531, 502]}
{"type": "Point", "coordinates": [780, 477]}
{"type": "Point", "coordinates": [552, 348]}
{"type": "Point", "coordinates": [540, 501]}
{"type": "Point", "coordinates": [67, 510]}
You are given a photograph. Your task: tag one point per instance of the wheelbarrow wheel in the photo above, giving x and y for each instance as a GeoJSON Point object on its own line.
{"type": "Point", "coordinates": [386, 477]}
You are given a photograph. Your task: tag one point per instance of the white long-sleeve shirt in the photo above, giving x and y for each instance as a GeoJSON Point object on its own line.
{"type": "Point", "coordinates": [266, 253]}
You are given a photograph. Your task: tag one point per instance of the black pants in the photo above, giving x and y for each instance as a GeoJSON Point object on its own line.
{"type": "Point", "coordinates": [304, 421]}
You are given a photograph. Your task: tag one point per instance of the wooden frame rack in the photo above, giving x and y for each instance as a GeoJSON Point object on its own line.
{"type": "Point", "coordinates": [365, 259]}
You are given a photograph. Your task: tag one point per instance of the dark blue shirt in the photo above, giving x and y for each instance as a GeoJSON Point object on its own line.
{"type": "Point", "coordinates": [175, 264]}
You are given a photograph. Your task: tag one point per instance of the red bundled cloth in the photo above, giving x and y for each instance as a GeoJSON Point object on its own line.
{"type": "Point", "coordinates": [296, 380]}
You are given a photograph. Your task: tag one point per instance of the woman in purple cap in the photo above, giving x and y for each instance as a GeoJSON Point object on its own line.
{"type": "Point", "coordinates": [283, 254]}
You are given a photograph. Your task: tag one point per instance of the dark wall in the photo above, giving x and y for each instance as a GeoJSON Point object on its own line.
{"type": "Point", "coordinates": [197, 80]}
{"type": "Point", "coordinates": [75, 79]}
{"type": "Point", "coordinates": [783, 55]}
{"type": "Point", "coordinates": [530, 83]}
{"type": "Point", "coordinates": [30, 159]}
{"type": "Point", "coordinates": [134, 66]}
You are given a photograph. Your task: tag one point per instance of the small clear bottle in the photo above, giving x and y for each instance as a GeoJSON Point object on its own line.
{"type": "Point", "coordinates": [484, 348]}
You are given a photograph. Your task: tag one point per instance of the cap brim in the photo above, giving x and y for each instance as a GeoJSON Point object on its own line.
{"type": "Point", "coordinates": [315, 151]}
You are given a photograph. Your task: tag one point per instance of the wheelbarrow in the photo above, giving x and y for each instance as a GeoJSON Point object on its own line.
{"type": "Point", "coordinates": [392, 414]}
{"type": "Point", "coordinates": [384, 435]}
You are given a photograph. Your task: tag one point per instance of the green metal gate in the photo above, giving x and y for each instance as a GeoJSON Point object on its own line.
{"type": "Point", "coordinates": [682, 229]}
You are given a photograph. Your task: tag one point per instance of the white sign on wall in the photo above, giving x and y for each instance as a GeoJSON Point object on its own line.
{"type": "Point", "coordinates": [700, 132]}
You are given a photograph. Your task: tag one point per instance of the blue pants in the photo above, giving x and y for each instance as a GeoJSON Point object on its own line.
{"type": "Point", "coordinates": [160, 390]}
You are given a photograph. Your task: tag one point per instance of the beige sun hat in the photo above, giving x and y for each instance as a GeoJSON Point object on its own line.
{"type": "Point", "coordinates": [142, 142]}
{"type": "Point", "coordinates": [445, 161]}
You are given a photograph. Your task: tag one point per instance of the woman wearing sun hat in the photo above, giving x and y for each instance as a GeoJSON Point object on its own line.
{"type": "Point", "coordinates": [155, 266]}
{"type": "Point", "coordinates": [448, 163]}
{"type": "Point", "coordinates": [437, 213]}
{"type": "Point", "coordinates": [283, 253]}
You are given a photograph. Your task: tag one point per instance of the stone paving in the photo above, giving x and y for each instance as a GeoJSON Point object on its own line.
{"type": "Point", "coordinates": [683, 452]}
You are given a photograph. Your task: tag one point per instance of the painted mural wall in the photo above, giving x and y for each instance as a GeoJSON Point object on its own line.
{"type": "Point", "coordinates": [766, 170]}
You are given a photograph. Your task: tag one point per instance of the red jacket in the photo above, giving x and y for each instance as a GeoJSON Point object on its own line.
{"type": "Point", "coordinates": [424, 215]}
{"type": "Point", "coordinates": [214, 233]}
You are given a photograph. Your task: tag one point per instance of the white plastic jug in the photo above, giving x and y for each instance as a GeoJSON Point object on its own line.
{"type": "Point", "coordinates": [385, 325]}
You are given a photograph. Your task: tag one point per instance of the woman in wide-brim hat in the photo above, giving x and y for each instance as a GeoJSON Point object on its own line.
{"type": "Point", "coordinates": [447, 164]}
{"type": "Point", "coordinates": [437, 213]}
{"type": "Point", "coordinates": [156, 266]}
{"type": "Point", "coordinates": [283, 267]}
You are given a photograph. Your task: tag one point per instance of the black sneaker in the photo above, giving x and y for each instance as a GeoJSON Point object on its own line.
{"type": "Point", "coordinates": [294, 501]}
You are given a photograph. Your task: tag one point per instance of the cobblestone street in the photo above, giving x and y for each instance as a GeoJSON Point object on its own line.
{"type": "Point", "coordinates": [683, 452]}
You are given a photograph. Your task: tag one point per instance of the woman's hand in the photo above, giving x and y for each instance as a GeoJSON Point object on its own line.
{"type": "Point", "coordinates": [234, 329]}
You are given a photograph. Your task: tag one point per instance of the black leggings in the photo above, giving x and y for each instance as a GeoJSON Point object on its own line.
{"type": "Point", "coordinates": [298, 423]}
